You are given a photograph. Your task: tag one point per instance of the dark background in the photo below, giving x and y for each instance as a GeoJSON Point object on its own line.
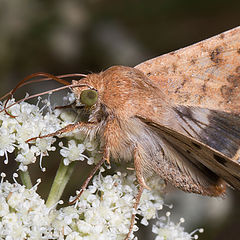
{"type": "Point", "coordinates": [89, 36]}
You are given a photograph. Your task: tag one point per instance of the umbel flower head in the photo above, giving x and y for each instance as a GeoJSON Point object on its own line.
{"type": "Point", "coordinates": [28, 122]}
{"type": "Point", "coordinates": [104, 209]}
{"type": "Point", "coordinates": [103, 212]}
{"type": "Point", "coordinates": [168, 230]}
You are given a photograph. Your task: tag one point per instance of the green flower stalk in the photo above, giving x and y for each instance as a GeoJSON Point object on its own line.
{"type": "Point", "coordinates": [60, 181]}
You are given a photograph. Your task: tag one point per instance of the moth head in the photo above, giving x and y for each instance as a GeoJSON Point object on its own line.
{"type": "Point", "coordinates": [85, 91]}
{"type": "Point", "coordinates": [88, 95]}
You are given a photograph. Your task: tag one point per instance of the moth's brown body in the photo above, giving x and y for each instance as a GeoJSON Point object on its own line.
{"type": "Point", "coordinates": [176, 115]}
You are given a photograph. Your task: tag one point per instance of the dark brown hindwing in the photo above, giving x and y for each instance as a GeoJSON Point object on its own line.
{"type": "Point", "coordinates": [217, 129]}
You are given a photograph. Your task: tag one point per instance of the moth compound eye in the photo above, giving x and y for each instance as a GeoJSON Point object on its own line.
{"type": "Point", "coordinates": [89, 97]}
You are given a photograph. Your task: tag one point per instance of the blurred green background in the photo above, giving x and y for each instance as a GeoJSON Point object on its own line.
{"type": "Point", "coordinates": [89, 36]}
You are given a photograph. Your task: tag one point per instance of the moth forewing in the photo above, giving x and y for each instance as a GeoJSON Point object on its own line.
{"type": "Point", "coordinates": [205, 74]}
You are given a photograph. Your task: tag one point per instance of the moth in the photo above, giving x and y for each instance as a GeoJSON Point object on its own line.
{"type": "Point", "coordinates": [177, 115]}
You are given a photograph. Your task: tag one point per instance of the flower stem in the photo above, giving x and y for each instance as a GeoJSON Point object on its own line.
{"type": "Point", "coordinates": [25, 178]}
{"type": "Point", "coordinates": [60, 181]}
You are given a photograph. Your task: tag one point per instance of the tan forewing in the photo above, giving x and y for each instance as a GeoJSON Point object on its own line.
{"type": "Point", "coordinates": [218, 163]}
{"type": "Point", "coordinates": [206, 74]}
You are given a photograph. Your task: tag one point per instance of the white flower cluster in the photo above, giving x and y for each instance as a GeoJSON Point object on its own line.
{"type": "Point", "coordinates": [103, 211]}
{"type": "Point", "coordinates": [106, 207]}
{"type": "Point", "coordinates": [167, 230]}
{"type": "Point", "coordinates": [23, 213]}
{"type": "Point", "coordinates": [26, 121]}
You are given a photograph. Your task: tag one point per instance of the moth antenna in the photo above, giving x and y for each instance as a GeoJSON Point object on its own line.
{"type": "Point", "coordinates": [20, 84]}
{"type": "Point", "coordinates": [23, 82]}
{"type": "Point", "coordinates": [48, 77]}
{"type": "Point", "coordinates": [40, 94]}
{"type": "Point", "coordinates": [59, 77]}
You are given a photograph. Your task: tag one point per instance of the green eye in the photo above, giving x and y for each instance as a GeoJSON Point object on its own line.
{"type": "Point", "coordinates": [89, 97]}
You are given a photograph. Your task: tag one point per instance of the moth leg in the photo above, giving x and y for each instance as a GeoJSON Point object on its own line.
{"type": "Point", "coordinates": [138, 164]}
{"type": "Point", "coordinates": [105, 157]}
{"type": "Point", "coordinates": [66, 129]}
{"type": "Point", "coordinates": [138, 197]}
